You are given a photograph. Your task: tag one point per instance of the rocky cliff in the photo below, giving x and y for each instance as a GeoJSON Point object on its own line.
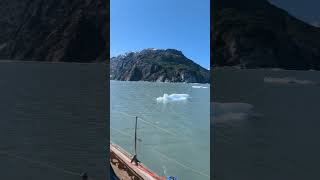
{"type": "Point", "coordinates": [54, 30]}
{"type": "Point", "coordinates": [257, 34]}
{"type": "Point", "coordinates": [157, 65]}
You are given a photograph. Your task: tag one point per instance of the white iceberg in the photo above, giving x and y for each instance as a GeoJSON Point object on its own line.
{"type": "Point", "coordinates": [172, 97]}
{"type": "Point", "coordinates": [200, 87]}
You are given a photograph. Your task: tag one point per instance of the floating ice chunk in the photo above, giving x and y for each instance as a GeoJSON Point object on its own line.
{"type": "Point", "coordinates": [288, 80]}
{"type": "Point", "coordinates": [276, 69]}
{"type": "Point", "coordinates": [199, 87]}
{"type": "Point", "coordinates": [223, 112]}
{"type": "Point", "coordinates": [173, 97]}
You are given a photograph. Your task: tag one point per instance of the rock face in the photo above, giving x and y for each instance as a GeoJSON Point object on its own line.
{"type": "Point", "coordinates": [53, 30]}
{"type": "Point", "coordinates": [257, 34]}
{"type": "Point", "coordinates": [157, 65]}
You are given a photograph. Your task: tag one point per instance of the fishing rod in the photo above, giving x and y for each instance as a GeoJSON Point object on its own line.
{"type": "Point", "coordinates": [134, 159]}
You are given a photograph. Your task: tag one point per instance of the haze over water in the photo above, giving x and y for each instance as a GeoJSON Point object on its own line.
{"type": "Point", "coordinates": [177, 141]}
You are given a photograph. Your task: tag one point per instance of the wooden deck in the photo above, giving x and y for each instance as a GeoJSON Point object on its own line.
{"type": "Point", "coordinates": [120, 162]}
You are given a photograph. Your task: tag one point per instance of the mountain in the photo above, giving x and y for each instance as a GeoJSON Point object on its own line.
{"type": "Point", "coordinates": [257, 34]}
{"type": "Point", "coordinates": [54, 30]}
{"type": "Point", "coordinates": [162, 65]}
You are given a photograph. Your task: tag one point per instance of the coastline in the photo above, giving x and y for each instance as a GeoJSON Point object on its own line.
{"type": "Point", "coordinates": [272, 69]}
{"type": "Point", "coordinates": [49, 62]}
{"type": "Point", "coordinates": [160, 82]}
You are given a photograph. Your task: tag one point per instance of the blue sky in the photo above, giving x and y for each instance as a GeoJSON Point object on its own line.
{"type": "Point", "coordinates": [162, 24]}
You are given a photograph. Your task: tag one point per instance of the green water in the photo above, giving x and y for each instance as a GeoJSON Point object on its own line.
{"type": "Point", "coordinates": [52, 121]}
{"type": "Point", "coordinates": [279, 138]}
{"type": "Point", "coordinates": [176, 140]}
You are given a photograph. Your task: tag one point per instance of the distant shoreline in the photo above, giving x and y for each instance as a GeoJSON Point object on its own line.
{"type": "Point", "coordinates": [271, 69]}
{"type": "Point", "coordinates": [49, 62]}
{"type": "Point", "coordinates": [159, 82]}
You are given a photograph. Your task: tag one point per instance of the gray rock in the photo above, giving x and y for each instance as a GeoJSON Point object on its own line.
{"type": "Point", "coordinates": [52, 30]}
{"type": "Point", "coordinates": [160, 65]}
{"type": "Point", "coordinates": [257, 34]}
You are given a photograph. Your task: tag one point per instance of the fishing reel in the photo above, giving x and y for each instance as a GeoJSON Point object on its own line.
{"type": "Point", "coordinates": [172, 178]}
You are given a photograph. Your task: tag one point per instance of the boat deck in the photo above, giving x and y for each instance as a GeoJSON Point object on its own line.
{"type": "Point", "coordinates": [120, 162]}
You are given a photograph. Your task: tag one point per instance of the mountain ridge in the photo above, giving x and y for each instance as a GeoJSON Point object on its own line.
{"type": "Point", "coordinates": [54, 31]}
{"type": "Point", "coordinates": [257, 34]}
{"type": "Point", "coordinates": [161, 65]}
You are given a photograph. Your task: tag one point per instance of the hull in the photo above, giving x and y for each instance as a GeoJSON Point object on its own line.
{"type": "Point", "coordinates": [120, 161]}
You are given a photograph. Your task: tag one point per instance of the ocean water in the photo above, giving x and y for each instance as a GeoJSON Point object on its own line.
{"type": "Point", "coordinates": [174, 129]}
{"type": "Point", "coordinates": [53, 121]}
{"type": "Point", "coordinates": [265, 124]}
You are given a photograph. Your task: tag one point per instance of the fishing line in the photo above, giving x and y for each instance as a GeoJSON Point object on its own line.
{"type": "Point", "coordinates": [155, 126]}
{"type": "Point", "coordinates": [149, 123]}
{"type": "Point", "coordinates": [181, 164]}
{"type": "Point", "coordinates": [43, 164]}
{"type": "Point", "coordinates": [149, 144]}
{"type": "Point", "coordinates": [40, 163]}
{"type": "Point", "coordinates": [164, 156]}
{"type": "Point", "coordinates": [126, 114]}
{"type": "Point", "coordinates": [123, 133]}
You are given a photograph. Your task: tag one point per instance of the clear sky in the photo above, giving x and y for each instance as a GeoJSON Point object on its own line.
{"type": "Point", "coordinates": [177, 24]}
